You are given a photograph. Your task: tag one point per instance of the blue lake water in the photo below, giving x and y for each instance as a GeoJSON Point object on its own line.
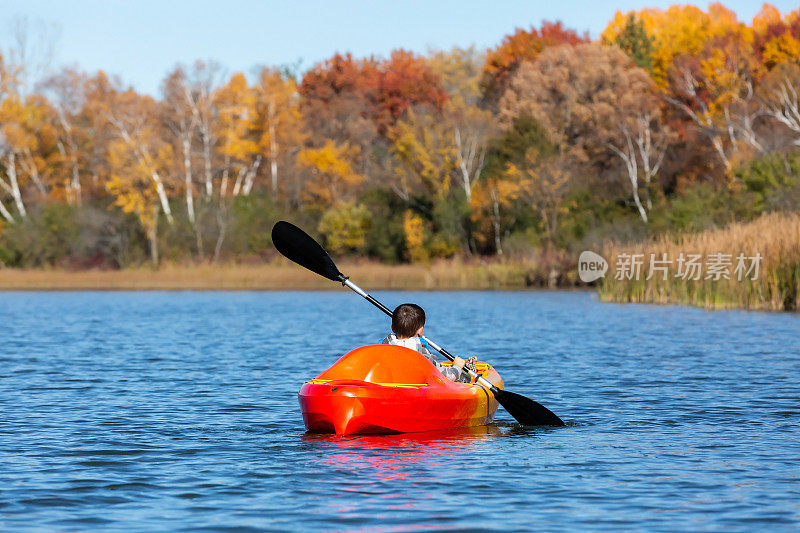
{"type": "Point", "coordinates": [178, 411]}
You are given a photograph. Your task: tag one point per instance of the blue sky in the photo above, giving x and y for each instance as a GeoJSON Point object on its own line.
{"type": "Point", "coordinates": [142, 39]}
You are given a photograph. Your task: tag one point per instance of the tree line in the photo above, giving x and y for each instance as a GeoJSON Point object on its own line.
{"type": "Point", "coordinates": [545, 144]}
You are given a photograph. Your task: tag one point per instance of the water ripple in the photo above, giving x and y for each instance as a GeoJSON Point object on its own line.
{"type": "Point", "coordinates": [178, 411]}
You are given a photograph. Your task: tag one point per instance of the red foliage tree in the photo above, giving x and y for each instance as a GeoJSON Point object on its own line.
{"type": "Point", "coordinates": [405, 80]}
{"type": "Point", "coordinates": [345, 91]}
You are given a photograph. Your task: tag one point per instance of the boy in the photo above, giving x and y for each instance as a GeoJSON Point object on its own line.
{"type": "Point", "coordinates": [408, 323]}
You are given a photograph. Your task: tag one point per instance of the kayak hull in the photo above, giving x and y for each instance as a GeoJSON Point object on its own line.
{"type": "Point", "coordinates": [390, 389]}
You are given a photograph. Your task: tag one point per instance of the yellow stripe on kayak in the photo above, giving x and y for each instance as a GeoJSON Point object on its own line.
{"type": "Point", "coordinates": [399, 385]}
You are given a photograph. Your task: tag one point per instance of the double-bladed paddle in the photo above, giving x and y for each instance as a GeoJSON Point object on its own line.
{"type": "Point", "coordinates": [301, 248]}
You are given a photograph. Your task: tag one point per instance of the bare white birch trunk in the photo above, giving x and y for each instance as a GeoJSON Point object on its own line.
{"type": "Point", "coordinates": [222, 223]}
{"type": "Point", "coordinates": [237, 184]}
{"type": "Point", "coordinates": [628, 156]}
{"type": "Point", "coordinates": [5, 213]}
{"type": "Point", "coordinates": [187, 168]}
{"type": "Point", "coordinates": [29, 165]}
{"type": "Point", "coordinates": [162, 196]}
{"type": "Point", "coordinates": [471, 156]}
{"type": "Point", "coordinates": [250, 176]}
{"type": "Point", "coordinates": [15, 192]}
{"type": "Point", "coordinates": [787, 111]}
{"type": "Point", "coordinates": [207, 165]}
{"type": "Point", "coordinates": [68, 184]}
{"type": "Point", "coordinates": [223, 186]}
{"type": "Point", "coordinates": [76, 180]}
{"type": "Point", "coordinates": [273, 149]}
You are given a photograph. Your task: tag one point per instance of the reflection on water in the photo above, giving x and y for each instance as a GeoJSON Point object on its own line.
{"type": "Point", "coordinates": [396, 456]}
{"type": "Point", "coordinates": [174, 411]}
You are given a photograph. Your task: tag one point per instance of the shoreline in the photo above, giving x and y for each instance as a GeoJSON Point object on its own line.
{"type": "Point", "coordinates": [442, 276]}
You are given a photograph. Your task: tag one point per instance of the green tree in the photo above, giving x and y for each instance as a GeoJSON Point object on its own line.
{"type": "Point", "coordinates": [634, 41]}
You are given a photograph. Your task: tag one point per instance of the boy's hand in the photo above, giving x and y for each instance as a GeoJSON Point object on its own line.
{"type": "Point", "coordinates": [458, 363]}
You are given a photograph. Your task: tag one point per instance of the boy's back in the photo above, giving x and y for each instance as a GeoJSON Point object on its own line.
{"type": "Point", "coordinates": [408, 321]}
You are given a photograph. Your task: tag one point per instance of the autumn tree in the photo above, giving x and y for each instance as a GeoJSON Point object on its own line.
{"type": "Point", "coordinates": [337, 98]}
{"type": "Point", "coordinates": [521, 46]}
{"type": "Point", "coordinates": [29, 55]}
{"type": "Point", "coordinates": [181, 119]}
{"type": "Point", "coordinates": [333, 178]}
{"type": "Point", "coordinates": [714, 88]}
{"type": "Point", "coordinates": [342, 93]}
{"type": "Point", "coordinates": [677, 31]}
{"type": "Point", "coordinates": [235, 102]}
{"type": "Point", "coordinates": [140, 153]}
{"type": "Point", "coordinates": [203, 80]}
{"type": "Point", "coordinates": [134, 190]}
{"type": "Point", "coordinates": [403, 81]}
{"type": "Point", "coordinates": [279, 121]}
{"type": "Point", "coordinates": [490, 205]}
{"type": "Point", "coordinates": [425, 146]}
{"type": "Point", "coordinates": [544, 183]}
{"type": "Point", "coordinates": [642, 149]}
{"type": "Point", "coordinates": [580, 108]}
{"type": "Point", "coordinates": [459, 71]}
{"type": "Point", "coordinates": [67, 94]}
{"type": "Point", "coordinates": [779, 94]}
{"type": "Point", "coordinates": [777, 38]}
{"type": "Point", "coordinates": [27, 140]}
{"type": "Point", "coordinates": [586, 112]}
{"type": "Point", "coordinates": [101, 96]}
{"type": "Point", "coordinates": [139, 159]}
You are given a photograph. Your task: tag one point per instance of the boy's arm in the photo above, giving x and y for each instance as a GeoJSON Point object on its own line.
{"type": "Point", "coordinates": [453, 373]}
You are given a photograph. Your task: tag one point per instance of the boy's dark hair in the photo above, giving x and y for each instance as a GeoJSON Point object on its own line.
{"type": "Point", "coordinates": [407, 319]}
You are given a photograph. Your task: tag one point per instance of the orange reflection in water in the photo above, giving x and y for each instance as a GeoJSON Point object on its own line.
{"type": "Point", "coordinates": [367, 469]}
{"type": "Point", "coordinates": [389, 457]}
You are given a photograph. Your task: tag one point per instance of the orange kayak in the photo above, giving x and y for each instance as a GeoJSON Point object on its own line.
{"type": "Point", "coordinates": [392, 389]}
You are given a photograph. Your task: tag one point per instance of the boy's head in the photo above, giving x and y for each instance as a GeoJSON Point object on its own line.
{"type": "Point", "coordinates": [407, 320]}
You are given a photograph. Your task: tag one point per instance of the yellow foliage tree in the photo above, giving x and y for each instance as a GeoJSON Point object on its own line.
{"type": "Point", "coordinates": [491, 199]}
{"type": "Point", "coordinates": [345, 227]}
{"type": "Point", "coordinates": [777, 38]}
{"type": "Point", "coordinates": [678, 30]}
{"type": "Point", "coordinates": [278, 119]}
{"type": "Point", "coordinates": [426, 147]}
{"type": "Point", "coordinates": [236, 130]}
{"type": "Point", "coordinates": [460, 72]}
{"type": "Point", "coordinates": [414, 232]}
{"type": "Point", "coordinates": [133, 188]}
{"type": "Point", "coordinates": [333, 178]}
{"type": "Point", "coordinates": [134, 119]}
{"type": "Point", "coordinates": [28, 151]}
{"type": "Point", "coordinates": [544, 183]}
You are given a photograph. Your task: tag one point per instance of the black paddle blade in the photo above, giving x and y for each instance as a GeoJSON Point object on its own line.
{"type": "Point", "coordinates": [301, 248]}
{"type": "Point", "coordinates": [526, 411]}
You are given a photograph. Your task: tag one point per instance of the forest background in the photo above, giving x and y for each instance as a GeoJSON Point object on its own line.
{"type": "Point", "coordinates": [512, 160]}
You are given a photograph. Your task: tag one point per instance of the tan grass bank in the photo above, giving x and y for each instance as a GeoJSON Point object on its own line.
{"type": "Point", "coordinates": [446, 275]}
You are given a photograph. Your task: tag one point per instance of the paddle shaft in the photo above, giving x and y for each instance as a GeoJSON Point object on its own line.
{"type": "Point", "coordinates": [361, 292]}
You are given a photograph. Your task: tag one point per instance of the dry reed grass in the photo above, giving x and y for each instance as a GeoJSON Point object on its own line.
{"type": "Point", "coordinates": [280, 275]}
{"type": "Point", "coordinates": [775, 236]}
